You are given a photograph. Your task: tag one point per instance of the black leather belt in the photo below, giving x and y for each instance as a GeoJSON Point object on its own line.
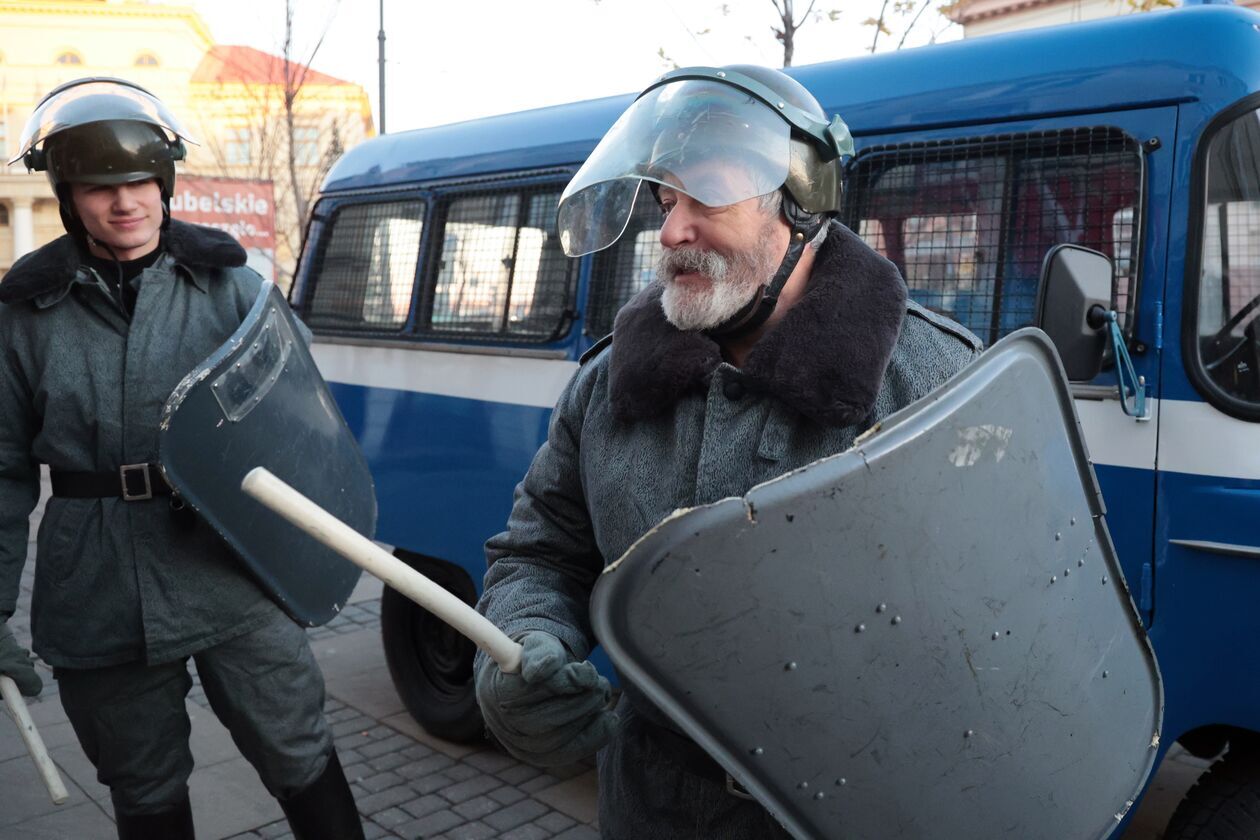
{"type": "Point", "coordinates": [131, 483]}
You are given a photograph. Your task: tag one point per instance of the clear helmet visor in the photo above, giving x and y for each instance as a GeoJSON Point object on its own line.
{"type": "Point", "coordinates": [707, 139]}
{"type": "Point", "coordinates": [94, 100]}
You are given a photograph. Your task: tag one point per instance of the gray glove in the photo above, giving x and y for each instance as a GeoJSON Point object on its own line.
{"type": "Point", "coordinates": [17, 662]}
{"type": "Point", "coordinates": [555, 711]}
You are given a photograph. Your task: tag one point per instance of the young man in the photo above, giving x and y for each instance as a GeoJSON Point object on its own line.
{"type": "Point", "coordinates": [773, 337]}
{"type": "Point", "coordinates": [96, 329]}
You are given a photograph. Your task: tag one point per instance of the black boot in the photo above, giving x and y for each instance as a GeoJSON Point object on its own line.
{"type": "Point", "coordinates": [325, 810]}
{"type": "Point", "coordinates": [175, 824]}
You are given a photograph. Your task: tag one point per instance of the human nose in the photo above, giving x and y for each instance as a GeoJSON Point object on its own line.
{"type": "Point", "coordinates": [125, 198]}
{"type": "Point", "coordinates": [678, 229]}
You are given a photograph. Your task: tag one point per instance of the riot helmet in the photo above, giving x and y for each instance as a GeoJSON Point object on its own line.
{"type": "Point", "coordinates": [102, 130]}
{"type": "Point", "coordinates": [721, 136]}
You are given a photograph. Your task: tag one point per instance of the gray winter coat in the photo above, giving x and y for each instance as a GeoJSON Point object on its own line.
{"type": "Point", "coordinates": [659, 421]}
{"type": "Point", "coordinates": [82, 389]}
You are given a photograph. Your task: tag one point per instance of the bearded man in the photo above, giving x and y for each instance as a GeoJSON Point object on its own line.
{"type": "Point", "coordinates": [773, 337]}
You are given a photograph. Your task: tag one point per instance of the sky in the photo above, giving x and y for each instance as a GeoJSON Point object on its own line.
{"type": "Point", "coordinates": [448, 61]}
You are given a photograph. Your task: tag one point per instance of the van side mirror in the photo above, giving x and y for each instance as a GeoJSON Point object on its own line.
{"type": "Point", "coordinates": [1072, 301]}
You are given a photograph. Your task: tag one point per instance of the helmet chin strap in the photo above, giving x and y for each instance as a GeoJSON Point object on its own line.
{"type": "Point", "coordinates": [804, 227]}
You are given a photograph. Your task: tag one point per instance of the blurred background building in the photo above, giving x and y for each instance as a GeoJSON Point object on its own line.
{"type": "Point", "coordinates": [266, 126]}
{"type": "Point", "coordinates": [989, 17]}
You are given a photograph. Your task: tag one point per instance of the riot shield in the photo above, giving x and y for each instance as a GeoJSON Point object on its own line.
{"type": "Point", "coordinates": [258, 401]}
{"type": "Point", "coordinates": [925, 636]}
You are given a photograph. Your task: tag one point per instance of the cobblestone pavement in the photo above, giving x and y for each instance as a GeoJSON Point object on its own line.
{"type": "Point", "coordinates": [406, 783]}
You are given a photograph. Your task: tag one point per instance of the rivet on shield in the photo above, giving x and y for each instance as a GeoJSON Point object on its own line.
{"type": "Point", "coordinates": [1054, 578]}
{"type": "Point", "coordinates": [969, 733]}
{"type": "Point", "coordinates": [841, 782]}
{"type": "Point", "coordinates": [859, 628]}
{"type": "Point", "coordinates": [803, 785]}
{"type": "Point", "coordinates": [1067, 572]}
{"type": "Point", "coordinates": [896, 619]}
{"type": "Point", "coordinates": [1057, 536]}
{"type": "Point", "coordinates": [881, 608]}
{"type": "Point", "coordinates": [791, 666]}
{"type": "Point", "coordinates": [1106, 674]}
{"type": "Point", "coordinates": [997, 636]}
{"type": "Point", "coordinates": [1072, 521]}
{"type": "Point", "coordinates": [1104, 581]}
{"type": "Point", "coordinates": [757, 751]}
{"type": "Point", "coordinates": [819, 795]}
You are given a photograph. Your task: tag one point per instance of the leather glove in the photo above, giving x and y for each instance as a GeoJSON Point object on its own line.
{"type": "Point", "coordinates": [555, 711]}
{"type": "Point", "coordinates": [17, 662]}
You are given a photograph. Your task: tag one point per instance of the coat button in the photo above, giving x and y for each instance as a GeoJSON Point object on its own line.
{"type": "Point", "coordinates": [734, 389]}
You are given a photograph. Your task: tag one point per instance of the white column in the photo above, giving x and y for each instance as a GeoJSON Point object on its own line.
{"type": "Point", "coordinates": [23, 226]}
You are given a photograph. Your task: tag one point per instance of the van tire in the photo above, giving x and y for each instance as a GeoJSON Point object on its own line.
{"type": "Point", "coordinates": [1224, 803]}
{"type": "Point", "coordinates": [431, 664]}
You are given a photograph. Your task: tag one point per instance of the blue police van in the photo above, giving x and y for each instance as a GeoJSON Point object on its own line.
{"type": "Point", "coordinates": [448, 319]}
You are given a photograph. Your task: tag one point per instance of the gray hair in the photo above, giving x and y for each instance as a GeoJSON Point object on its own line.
{"type": "Point", "coordinates": [772, 203]}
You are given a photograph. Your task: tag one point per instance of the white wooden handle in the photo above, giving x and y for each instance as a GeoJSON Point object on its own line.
{"type": "Point", "coordinates": [367, 555]}
{"type": "Point", "coordinates": [34, 743]}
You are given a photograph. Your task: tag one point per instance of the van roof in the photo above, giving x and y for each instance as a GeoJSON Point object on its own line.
{"type": "Point", "coordinates": [1208, 54]}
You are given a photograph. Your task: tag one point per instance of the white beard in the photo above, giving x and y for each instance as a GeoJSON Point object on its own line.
{"type": "Point", "coordinates": [734, 281]}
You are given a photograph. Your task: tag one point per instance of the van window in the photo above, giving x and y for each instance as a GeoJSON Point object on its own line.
{"type": "Point", "coordinates": [623, 270]}
{"type": "Point", "coordinates": [366, 273]}
{"type": "Point", "coordinates": [1228, 316]}
{"type": "Point", "coordinates": [969, 222]}
{"type": "Point", "coordinates": [501, 271]}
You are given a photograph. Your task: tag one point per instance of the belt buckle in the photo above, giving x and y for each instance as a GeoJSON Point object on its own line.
{"type": "Point", "coordinates": [131, 469]}
{"type": "Point", "coordinates": [734, 788]}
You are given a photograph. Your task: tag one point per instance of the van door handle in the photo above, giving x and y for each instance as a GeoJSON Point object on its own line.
{"type": "Point", "coordinates": [1229, 549]}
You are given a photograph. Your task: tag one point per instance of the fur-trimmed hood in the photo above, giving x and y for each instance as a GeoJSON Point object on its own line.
{"type": "Point", "coordinates": [55, 265]}
{"type": "Point", "coordinates": [826, 358]}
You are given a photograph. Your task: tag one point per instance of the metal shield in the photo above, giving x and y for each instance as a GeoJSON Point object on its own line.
{"type": "Point", "coordinates": [258, 401]}
{"type": "Point", "coordinates": [925, 636]}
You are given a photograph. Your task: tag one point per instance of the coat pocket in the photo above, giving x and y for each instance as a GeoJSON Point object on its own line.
{"type": "Point", "coordinates": [61, 539]}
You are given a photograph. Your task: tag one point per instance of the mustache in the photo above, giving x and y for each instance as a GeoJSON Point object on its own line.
{"type": "Point", "coordinates": [675, 261]}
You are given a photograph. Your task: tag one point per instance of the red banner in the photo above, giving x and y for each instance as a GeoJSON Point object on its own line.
{"type": "Point", "coordinates": [244, 208]}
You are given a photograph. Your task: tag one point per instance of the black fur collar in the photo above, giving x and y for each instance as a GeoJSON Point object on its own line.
{"type": "Point", "coordinates": [826, 358]}
{"type": "Point", "coordinates": [53, 266]}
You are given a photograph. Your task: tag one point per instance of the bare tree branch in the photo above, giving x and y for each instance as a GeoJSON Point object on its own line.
{"type": "Point", "coordinates": [879, 24]}
{"type": "Point", "coordinates": [917, 15]}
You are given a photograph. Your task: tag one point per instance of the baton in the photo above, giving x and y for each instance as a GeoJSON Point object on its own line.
{"type": "Point", "coordinates": [34, 743]}
{"type": "Point", "coordinates": [367, 555]}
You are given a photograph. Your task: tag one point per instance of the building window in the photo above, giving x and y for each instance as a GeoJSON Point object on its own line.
{"type": "Point", "coordinates": [146, 59]}
{"type": "Point", "coordinates": [4, 215]}
{"type": "Point", "coordinates": [69, 57]}
{"type": "Point", "coordinates": [306, 145]}
{"type": "Point", "coordinates": [236, 146]}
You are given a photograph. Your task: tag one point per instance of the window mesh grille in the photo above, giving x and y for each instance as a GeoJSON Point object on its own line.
{"type": "Point", "coordinates": [969, 222]}
{"type": "Point", "coordinates": [501, 270]}
{"type": "Point", "coordinates": [622, 271]}
{"type": "Point", "coordinates": [367, 274]}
